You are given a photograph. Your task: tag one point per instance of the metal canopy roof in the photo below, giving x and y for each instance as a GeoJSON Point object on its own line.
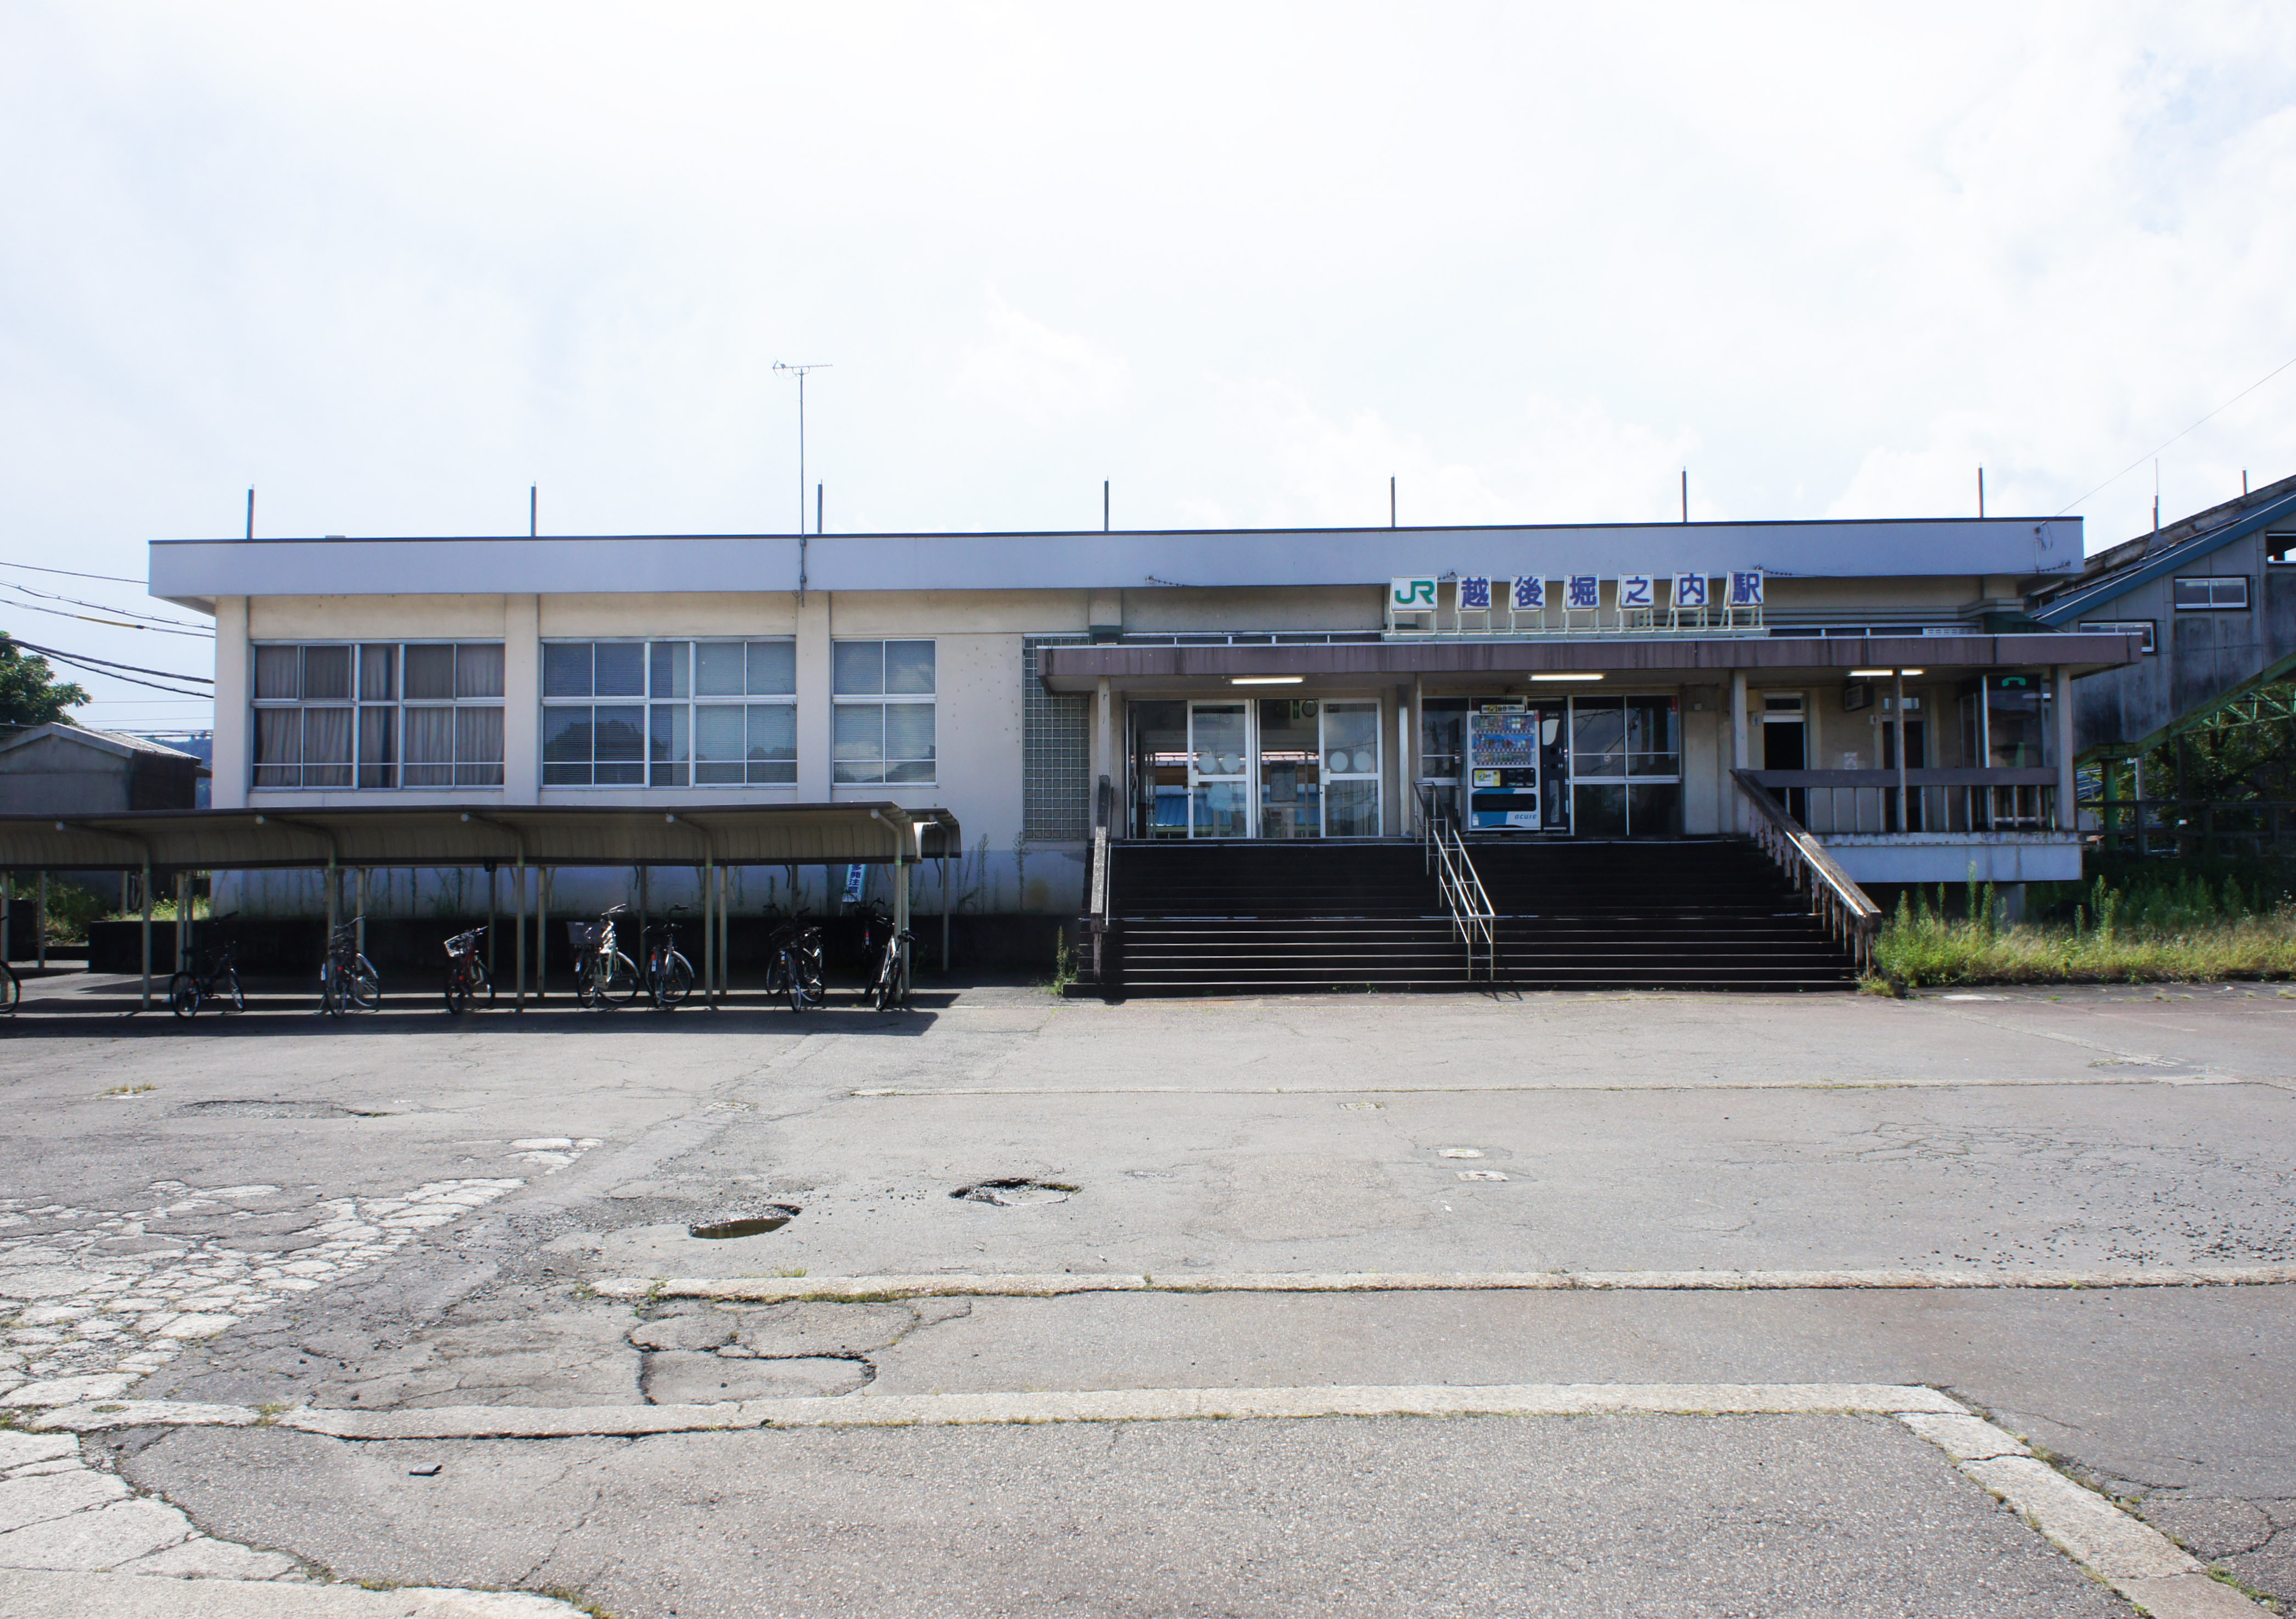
{"type": "Point", "coordinates": [575, 834]}
{"type": "Point", "coordinates": [1079, 668]}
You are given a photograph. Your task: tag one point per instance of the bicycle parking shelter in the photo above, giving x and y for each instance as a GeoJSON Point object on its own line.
{"type": "Point", "coordinates": [714, 839]}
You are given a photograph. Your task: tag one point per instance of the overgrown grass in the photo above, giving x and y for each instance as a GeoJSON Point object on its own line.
{"type": "Point", "coordinates": [2172, 929]}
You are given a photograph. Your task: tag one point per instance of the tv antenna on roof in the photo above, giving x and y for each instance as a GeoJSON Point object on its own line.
{"type": "Point", "coordinates": [801, 370]}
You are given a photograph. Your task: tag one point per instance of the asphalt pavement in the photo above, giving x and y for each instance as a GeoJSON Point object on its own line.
{"type": "Point", "coordinates": [431, 1217]}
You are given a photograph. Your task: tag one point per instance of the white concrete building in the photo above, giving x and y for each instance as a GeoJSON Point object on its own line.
{"type": "Point", "coordinates": [1537, 682]}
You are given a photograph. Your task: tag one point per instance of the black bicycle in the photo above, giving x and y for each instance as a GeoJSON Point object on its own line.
{"type": "Point", "coordinates": [887, 989]}
{"type": "Point", "coordinates": [347, 980]}
{"type": "Point", "coordinates": [793, 967]}
{"type": "Point", "coordinates": [213, 977]}
{"type": "Point", "coordinates": [603, 976]}
{"type": "Point", "coordinates": [668, 975]}
{"type": "Point", "coordinates": [466, 970]}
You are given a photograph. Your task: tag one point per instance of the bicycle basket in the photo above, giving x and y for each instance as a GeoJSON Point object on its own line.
{"type": "Point", "coordinates": [586, 936]}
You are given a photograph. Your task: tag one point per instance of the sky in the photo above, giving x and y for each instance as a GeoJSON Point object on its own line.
{"type": "Point", "coordinates": [391, 265]}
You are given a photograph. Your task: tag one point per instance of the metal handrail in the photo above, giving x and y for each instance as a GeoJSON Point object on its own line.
{"type": "Point", "coordinates": [1834, 899]}
{"type": "Point", "coordinates": [1472, 911]}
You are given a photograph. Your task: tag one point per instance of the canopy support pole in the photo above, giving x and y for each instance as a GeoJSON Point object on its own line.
{"type": "Point", "coordinates": [334, 907]}
{"type": "Point", "coordinates": [40, 925]}
{"type": "Point", "coordinates": [709, 876]}
{"type": "Point", "coordinates": [183, 921]}
{"type": "Point", "coordinates": [147, 933]}
{"type": "Point", "coordinates": [519, 887]}
{"type": "Point", "coordinates": [546, 889]}
{"type": "Point", "coordinates": [944, 911]}
{"type": "Point", "coordinates": [726, 930]}
{"type": "Point", "coordinates": [490, 930]}
{"type": "Point", "coordinates": [360, 921]}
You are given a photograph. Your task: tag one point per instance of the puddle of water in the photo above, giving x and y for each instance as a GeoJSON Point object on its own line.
{"type": "Point", "coordinates": [772, 1217]}
{"type": "Point", "coordinates": [1016, 1193]}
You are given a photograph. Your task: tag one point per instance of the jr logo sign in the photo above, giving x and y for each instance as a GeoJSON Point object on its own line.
{"type": "Point", "coordinates": [1411, 595]}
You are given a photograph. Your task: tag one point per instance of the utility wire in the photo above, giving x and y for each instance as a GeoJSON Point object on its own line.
{"type": "Point", "coordinates": [2172, 438]}
{"type": "Point", "coordinates": [83, 658]}
{"type": "Point", "coordinates": [69, 574]}
{"type": "Point", "coordinates": [130, 679]}
{"type": "Point", "coordinates": [103, 607]}
{"type": "Point", "coordinates": [117, 624]}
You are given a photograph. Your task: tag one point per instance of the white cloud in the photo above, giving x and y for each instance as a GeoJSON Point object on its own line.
{"type": "Point", "coordinates": [1041, 376]}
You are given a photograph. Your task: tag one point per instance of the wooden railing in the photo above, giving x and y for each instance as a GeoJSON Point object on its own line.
{"type": "Point", "coordinates": [1833, 803]}
{"type": "Point", "coordinates": [1472, 917]}
{"type": "Point", "coordinates": [1848, 913]}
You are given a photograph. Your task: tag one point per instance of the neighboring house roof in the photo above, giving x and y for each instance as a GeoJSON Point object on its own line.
{"type": "Point", "coordinates": [2139, 561]}
{"type": "Point", "coordinates": [114, 742]}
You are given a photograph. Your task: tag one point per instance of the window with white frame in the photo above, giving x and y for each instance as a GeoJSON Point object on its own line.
{"type": "Point", "coordinates": [670, 713]}
{"type": "Point", "coordinates": [2121, 626]}
{"type": "Point", "coordinates": [2204, 593]}
{"type": "Point", "coordinates": [883, 692]}
{"type": "Point", "coordinates": [377, 715]}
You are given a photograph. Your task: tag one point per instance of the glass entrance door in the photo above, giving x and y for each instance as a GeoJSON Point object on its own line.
{"type": "Point", "coordinates": [1291, 767]}
{"type": "Point", "coordinates": [1219, 770]}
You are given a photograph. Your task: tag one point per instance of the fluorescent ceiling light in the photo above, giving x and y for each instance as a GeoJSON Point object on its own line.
{"type": "Point", "coordinates": [1870, 674]}
{"type": "Point", "coordinates": [1566, 677]}
{"type": "Point", "coordinates": [1264, 680]}
{"type": "Point", "coordinates": [1909, 671]}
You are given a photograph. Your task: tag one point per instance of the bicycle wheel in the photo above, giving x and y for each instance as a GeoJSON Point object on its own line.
{"type": "Point", "coordinates": [183, 995]}
{"type": "Point", "coordinates": [458, 988]}
{"type": "Point", "coordinates": [330, 999]}
{"type": "Point", "coordinates": [365, 986]}
{"type": "Point", "coordinates": [622, 984]}
{"type": "Point", "coordinates": [229, 985]}
{"type": "Point", "coordinates": [793, 981]}
{"type": "Point", "coordinates": [901, 970]}
{"type": "Point", "coordinates": [673, 983]}
{"type": "Point", "coordinates": [11, 991]}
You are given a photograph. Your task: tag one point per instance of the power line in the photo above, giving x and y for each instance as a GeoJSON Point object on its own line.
{"type": "Point", "coordinates": [2172, 438]}
{"type": "Point", "coordinates": [69, 574]}
{"type": "Point", "coordinates": [106, 667]}
{"type": "Point", "coordinates": [105, 606]}
{"type": "Point", "coordinates": [117, 624]}
{"type": "Point", "coordinates": [32, 646]}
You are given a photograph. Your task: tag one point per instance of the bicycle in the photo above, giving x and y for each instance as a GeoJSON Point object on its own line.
{"type": "Point", "coordinates": [12, 990]}
{"type": "Point", "coordinates": [213, 977]}
{"type": "Point", "coordinates": [466, 971]}
{"type": "Point", "coordinates": [602, 975]}
{"type": "Point", "coordinates": [887, 989]}
{"type": "Point", "coordinates": [347, 980]}
{"type": "Point", "coordinates": [794, 966]}
{"type": "Point", "coordinates": [668, 975]}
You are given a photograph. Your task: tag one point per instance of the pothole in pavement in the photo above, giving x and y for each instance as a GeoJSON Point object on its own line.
{"type": "Point", "coordinates": [755, 1223]}
{"type": "Point", "coordinates": [274, 1110]}
{"type": "Point", "coordinates": [1016, 1192]}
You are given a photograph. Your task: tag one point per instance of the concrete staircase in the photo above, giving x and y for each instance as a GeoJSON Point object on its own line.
{"type": "Point", "coordinates": [1306, 918]}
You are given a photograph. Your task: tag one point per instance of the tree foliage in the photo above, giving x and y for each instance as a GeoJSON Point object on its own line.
{"type": "Point", "coordinates": [29, 692]}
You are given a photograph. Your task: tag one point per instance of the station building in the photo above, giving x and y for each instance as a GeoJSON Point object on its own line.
{"type": "Point", "coordinates": [1623, 683]}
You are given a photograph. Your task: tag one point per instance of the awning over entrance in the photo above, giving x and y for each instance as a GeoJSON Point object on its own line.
{"type": "Point", "coordinates": [426, 836]}
{"type": "Point", "coordinates": [1657, 657]}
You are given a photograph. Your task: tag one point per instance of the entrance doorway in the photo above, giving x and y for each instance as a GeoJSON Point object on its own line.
{"type": "Point", "coordinates": [1276, 768]}
{"type": "Point", "coordinates": [1785, 745]}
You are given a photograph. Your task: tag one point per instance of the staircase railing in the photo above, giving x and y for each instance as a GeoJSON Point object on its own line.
{"type": "Point", "coordinates": [1845, 909]}
{"type": "Point", "coordinates": [1100, 957]}
{"type": "Point", "coordinates": [1472, 917]}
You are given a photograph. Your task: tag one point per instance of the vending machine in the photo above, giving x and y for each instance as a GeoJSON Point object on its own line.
{"type": "Point", "coordinates": [1503, 764]}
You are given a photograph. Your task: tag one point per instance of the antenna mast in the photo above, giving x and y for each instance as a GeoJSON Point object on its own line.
{"type": "Point", "coordinates": [799, 372]}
